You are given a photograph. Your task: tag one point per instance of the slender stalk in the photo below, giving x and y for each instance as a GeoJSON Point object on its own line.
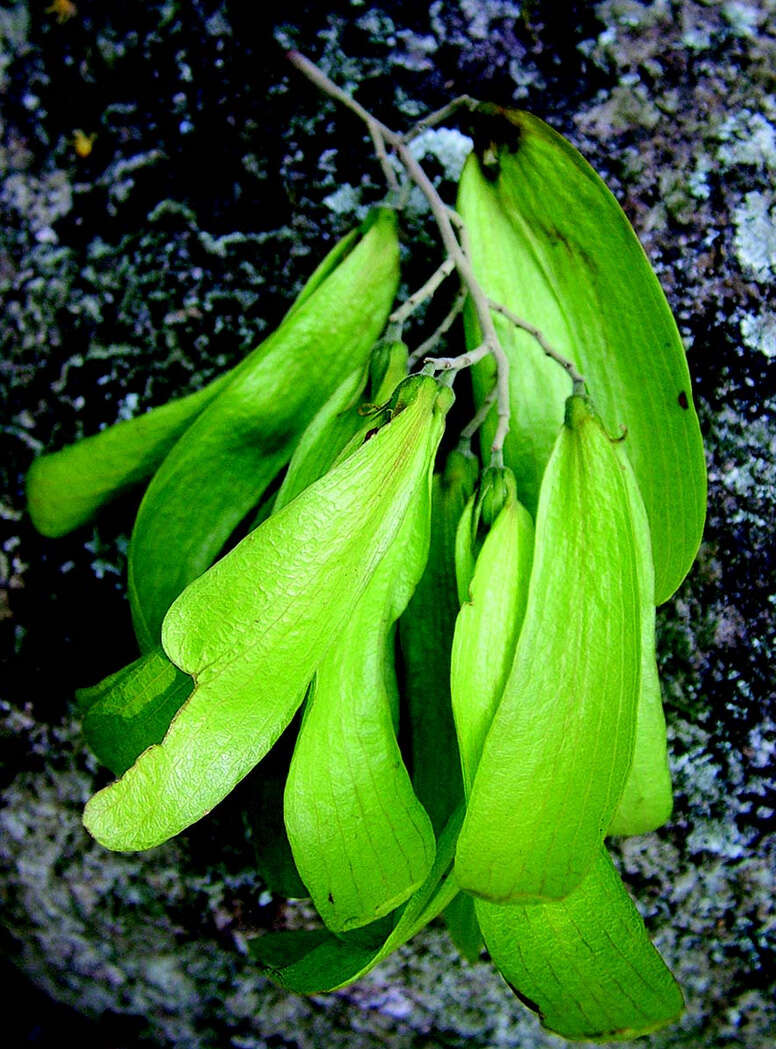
{"type": "Point", "coordinates": [463, 360]}
{"type": "Point", "coordinates": [382, 155]}
{"type": "Point", "coordinates": [457, 248]}
{"type": "Point", "coordinates": [463, 233]}
{"type": "Point", "coordinates": [428, 344]}
{"type": "Point", "coordinates": [439, 117]}
{"type": "Point", "coordinates": [408, 307]}
{"type": "Point", "coordinates": [568, 366]}
{"type": "Point", "coordinates": [477, 420]}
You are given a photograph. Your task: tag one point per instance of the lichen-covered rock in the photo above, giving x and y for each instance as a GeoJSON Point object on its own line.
{"type": "Point", "coordinates": [143, 268]}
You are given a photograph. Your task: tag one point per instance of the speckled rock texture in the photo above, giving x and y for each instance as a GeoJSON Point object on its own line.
{"type": "Point", "coordinates": [215, 180]}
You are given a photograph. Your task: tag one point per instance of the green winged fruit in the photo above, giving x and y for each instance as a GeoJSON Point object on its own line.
{"type": "Point", "coordinates": [426, 637]}
{"type": "Point", "coordinates": [67, 488]}
{"type": "Point", "coordinates": [493, 571]}
{"type": "Point", "coordinates": [362, 841]}
{"type": "Point", "coordinates": [132, 708]}
{"type": "Point", "coordinates": [647, 797]}
{"type": "Point", "coordinates": [549, 242]}
{"type": "Point", "coordinates": [342, 417]}
{"type": "Point", "coordinates": [225, 460]}
{"type": "Point", "coordinates": [489, 621]}
{"type": "Point", "coordinates": [557, 754]}
{"type": "Point", "coordinates": [585, 964]}
{"type": "Point", "coordinates": [254, 628]}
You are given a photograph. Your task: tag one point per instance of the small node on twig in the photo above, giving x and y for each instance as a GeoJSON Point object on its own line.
{"type": "Point", "coordinates": [463, 360]}
{"type": "Point", "coordinates": [440, 115]}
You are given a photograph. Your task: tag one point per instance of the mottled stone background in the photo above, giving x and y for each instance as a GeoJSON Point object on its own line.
{"type": "Point", "coordinates": [215, 181]}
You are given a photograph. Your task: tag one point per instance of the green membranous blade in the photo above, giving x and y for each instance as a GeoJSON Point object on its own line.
{"type": "Point", "coordinates": [131, 709]}
{"type": "Point", "coordinates": [584, 964]}
{"type": "Point", "coordinates": [342, 417]}
{"type": "Point", "coordinates": [315, 961]}
{"type": "Point", "coordinates": [647, 797]}
{"type": "Point", "coordinates": [426, 635]}
{"type": "Point", "coordinates": [220, 467]}
{"type": "Point", "coordinates": [488, 623]}
{"type": "Point", "coordinates": [361, 839]}
{"type": "Point", "coordinates": [493, 587]}
{"type": "Point", "coordinates": [558, 752]}
{"type": "Point", "coordinates": [253, 629]}
{"type": "Point", "coordinates": [549, 241]}
{"type": "Point", "coordinates": [67, 488]}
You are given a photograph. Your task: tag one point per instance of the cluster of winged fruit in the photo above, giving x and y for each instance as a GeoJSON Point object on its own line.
{"type": "Point", "coordinates": [507, 613]}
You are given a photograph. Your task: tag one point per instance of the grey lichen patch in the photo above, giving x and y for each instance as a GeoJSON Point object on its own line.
{"type": "Point", "coordinates": [447, 145]}
{"type": "Point", "coordinates": [749, 478]}
{"type": "Point", "coordinates": [745, 19]}
{"type": "Point", "coordinates": [14, 29]}
{"type": "Point", "coordinates": [113, 916]}
{"type": "Point", "coordinates": [40, 202]}
{"type": "Point", "coordinates": [749, 138]}
{"type": "Point", "coordinates": [755, 238]}
{"type": "Point", "coordinates": [347, 200]}
{"type": "Point", "coordinates": [720, 886]}
{"type": "Point", "coordinates": [626, 106]}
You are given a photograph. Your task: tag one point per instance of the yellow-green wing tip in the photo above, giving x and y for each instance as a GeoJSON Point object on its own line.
{"type": "Point", "coordinates": [627, 1034]}
{"type": "Point", "coordinates": [108, 819]}
{"type": "Point", "coordinates": [674, 1006]}
{"type": "Point", "coordinates": [47, 517]}
{"type": "Point", "coordinates": [98, 820]}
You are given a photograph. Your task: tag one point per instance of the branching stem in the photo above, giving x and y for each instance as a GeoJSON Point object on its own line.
{"type": "Point", "coordinates": [448, 223]}
{"type": "Point", "coordinates": [382, 155]}
{"type": "Point", "coordinates": [463, 360]}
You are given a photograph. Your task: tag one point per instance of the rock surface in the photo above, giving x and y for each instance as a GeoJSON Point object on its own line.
{"type": "Point", "coordinates": [140, 269]}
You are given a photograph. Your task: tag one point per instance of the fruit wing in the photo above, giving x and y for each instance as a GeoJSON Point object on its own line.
{"type": "Point", "coordinates": [647, 798]}
{"type": "Point", "coordinates": [132, 709]}
{"type": "Point", "coordinates": [361, 839]}
{"type": "Point", "coordinates": [487, 629]}
{"type": "Point", "coordinates": [550, 242]}
{"type": "Point", "coordinates": [67, 488]}
{"type": "Point", "coordinates": [335, 423]}
{"type": "Point", "coordinates": [315, 961]}
{"type": "Point", "coordinates": [584, 964]}
{"type": "Point", "coordinates": [426, 634]}
{"type": "Point", "coordinates": [221, 466]}
{"type": "Point", "coordinates": [254, 628]}
{"type": "Point", "coordinates": [555, 760]}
